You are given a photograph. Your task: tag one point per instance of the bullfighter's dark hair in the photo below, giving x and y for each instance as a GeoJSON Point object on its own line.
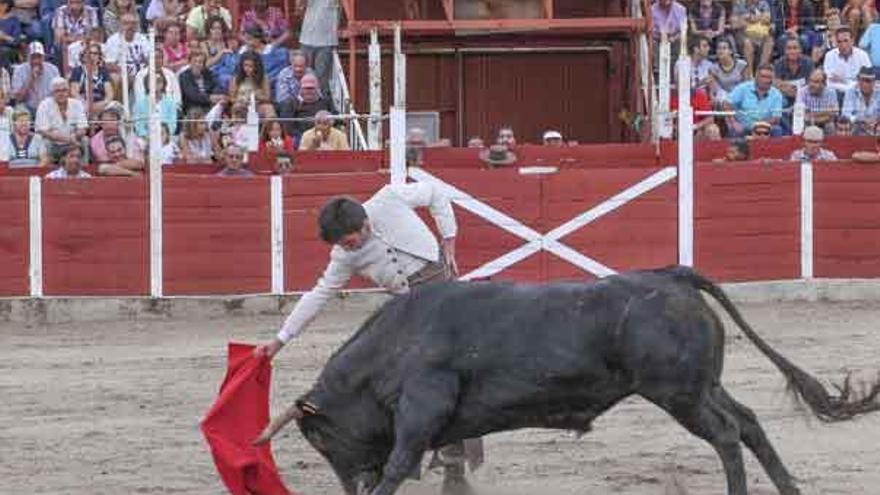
{"type": "Point", "coordinates": [339, 217]}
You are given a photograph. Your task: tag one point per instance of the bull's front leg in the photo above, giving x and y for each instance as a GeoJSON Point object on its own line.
{"type": "Point", "coordinates": [423, 410]}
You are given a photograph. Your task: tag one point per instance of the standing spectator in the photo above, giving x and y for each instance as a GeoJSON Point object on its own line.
{"type": "Point", "coordinates": [288, 82]}
{"type": "Point", "coordinates": [26, 148]}
{"type": "Point", "coordinates": [726, 72]}
{"type": "Point", "coordinates": [250, 80]}
{"type": "Point", "coordinates": [553, 138]}
{"type": "Point", "coordinates": [843, 63]}
{"type": "Point", "coordinates": [792, 70]}
{"type": "Point", "coordinates": [91, 82]}
{"type": "Point", "coordinates": [270, 20]}
{"type": "Point", "coordinates": [862, 103]}
{"type": "Point", "coordinates": [137, 47]}
{"type": "Point", "coordinates": [113, 15]}
{"type": "Point", "coordinates": [70, 164]}
{"type": "Point", "coordinates": [820, 101]}
{"type": "Point", "coordinates": [31, 82]}
{"type": "Point", "coordinates": [700, 63]}
{"type": "Point", "coordinates": [324, 136]}
{"type": "Point", "coordinates": [195, 141]}
{"type": "Point", "coordinates": [751, 19]}
{"type": "Point", "coordinates": [174, 50]}
{"type": "Point", "coordinates": [708, 20]}
{"type": "Point", "coordinates": [10, 34]}
{"type": "Point", "coordinates": [233, 163]}
{"type": "Point", "coordinates": [309, 103]}
{"type": "Point", "coordinates": [274, 57]}
{"type": "Point", "coordinates": [870, 42]}
{"type": "Point", "coordinates": [812, 150]}
{"type": "Point", "coordinates": [319, 36]}
{"type": "Point", "coordinates": [61, 120]}
{"type": "Point", "coordinates": [197, 19]}
{"type": "Point", "coordinates": [172, 86]}
{"type": "Point", "coordinates": [273, 138]}
{"type": "Point", "coordinates": [198, 86]}
{"type": "Point", "coordinates": [166, 106]}
{"type": "Point", "coordinates": [73, 22]}
{"type": "Point", "coordinates": [753, 101]}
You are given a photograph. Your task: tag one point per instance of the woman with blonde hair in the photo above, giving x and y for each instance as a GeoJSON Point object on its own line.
{"type": "Point", "coordinates": [195, 140]}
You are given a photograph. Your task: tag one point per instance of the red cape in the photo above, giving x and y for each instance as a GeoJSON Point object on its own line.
{"type": "Point", "coordinates": [236, 419]}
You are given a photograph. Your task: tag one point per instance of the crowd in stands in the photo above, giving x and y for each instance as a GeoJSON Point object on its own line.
{"type": "Point", "coordinates": [758, 60]}
{"type": "Point", "coordinates": [65, 64]}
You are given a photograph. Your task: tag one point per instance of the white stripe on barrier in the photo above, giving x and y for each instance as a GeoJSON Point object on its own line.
{"type": "Point", "coordinates": [536, 241]}
{"type": "Point", "coordinates": [806, 220]}
{"type": "Point", "coordinates": [276, 203]}
{"type": "Point", "coordinates": [35, 210]}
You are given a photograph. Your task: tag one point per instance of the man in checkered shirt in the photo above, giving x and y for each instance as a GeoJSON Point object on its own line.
{"type": "Point", "coordinates": [820, 101]}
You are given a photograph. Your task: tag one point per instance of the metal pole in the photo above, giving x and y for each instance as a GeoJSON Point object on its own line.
{"type": "Point", "coordinates": [155, 145]}
{"type": "Point", "coordinates": [685, 157]}
{"type": "Point", "coordinates": [399, 70]}
{"type": "Point", "coordinates": [398, 145]}
{"type": "Point", "coordinates": [374, 129]}
{"type": "Point", "coordinates": [665, 62]}
{"type": "Point", "coordinates": [127, 135]}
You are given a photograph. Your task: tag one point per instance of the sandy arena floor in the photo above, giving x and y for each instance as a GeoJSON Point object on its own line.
{"type": "Point", "coordinates": [113, 408]}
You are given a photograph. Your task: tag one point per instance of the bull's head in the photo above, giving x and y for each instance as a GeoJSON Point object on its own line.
{"type": "Point", "coordinates": [351, 431]}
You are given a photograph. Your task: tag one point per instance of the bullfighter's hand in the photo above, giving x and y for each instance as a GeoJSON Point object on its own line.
{"type": "Point", "coordinates": [269, 350]}
{"type": "Point", "coordinates": [449, 254]}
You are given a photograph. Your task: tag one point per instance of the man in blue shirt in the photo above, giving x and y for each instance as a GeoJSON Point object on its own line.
{"type": "Point", "coordinates": [753, 101]}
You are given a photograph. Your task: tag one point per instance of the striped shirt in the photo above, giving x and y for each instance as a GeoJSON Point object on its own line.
{"type": "Point", "coordinates": [824, 102]}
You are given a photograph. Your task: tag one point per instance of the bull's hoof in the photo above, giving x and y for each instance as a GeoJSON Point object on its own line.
{"type": "Point", "coordinates": [457, 487]}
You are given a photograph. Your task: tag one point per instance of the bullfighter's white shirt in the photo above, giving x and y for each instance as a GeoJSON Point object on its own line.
{"type": "Point", "coordinates": [399, 245]}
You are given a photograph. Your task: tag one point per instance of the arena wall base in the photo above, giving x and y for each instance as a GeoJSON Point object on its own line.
{"type": "Point", "coordinates": [52, 310]}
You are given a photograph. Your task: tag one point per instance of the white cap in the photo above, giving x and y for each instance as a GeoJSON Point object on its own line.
{"type": "Point", "coordinates": [36, 48]}
{"type": "Point", "coordinates": [552, 135]}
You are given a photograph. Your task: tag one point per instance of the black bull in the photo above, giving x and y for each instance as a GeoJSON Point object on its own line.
{"type": "Point", "coordinates": [452, 361]}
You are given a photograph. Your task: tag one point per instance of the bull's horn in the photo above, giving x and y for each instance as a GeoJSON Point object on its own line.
{"type": "Point", "coordinates": [292, 412]}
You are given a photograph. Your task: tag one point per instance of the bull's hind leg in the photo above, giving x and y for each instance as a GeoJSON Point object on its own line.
{"type": "Point", "coordinates": [711, 422]}
{"type": "Point", "coordinates": [423, 410]}
{"type": "Point", "coordinates": [752, 434]}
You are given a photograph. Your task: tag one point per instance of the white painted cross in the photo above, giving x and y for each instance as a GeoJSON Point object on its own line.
{"type": "Point", "coordinates": [536, 241]}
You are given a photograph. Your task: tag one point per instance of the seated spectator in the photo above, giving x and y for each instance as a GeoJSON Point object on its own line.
{"type": "Point", "coordinates": [135, 44]}
{"type": "Point", "coordinates": [172, 86]}
{"type": "Point", "coordinates": [553, 138]}
{"type": "Point", "coordinates": [751, 21]}
{"type": "Point", "coordinates": [197, 19]}
{"type": "Point", "coordinates": [862, 103]}
{"type": "Point", "coordinates": [288, 81]}
{"type": "Point", "coordinates": [476, 142]}
{"type": "Point", "coordinates": [73, 22]}
{"type": "Point", "coordinates": [761, 130]}
{"type": "Point", "coordinates": [858, 14]}
{"type": "Point", "coordinates": [791, 70]}
{"type": "Point", "coordinates": [198, 86]}
{"type": "Point", "coordinates": [870, 42]}
{"type": "Point", "coordinates": [843, 63]}
{"type": "Point", "coordinates": [69, 164]}
{"type": "Point", "coordinates": [31, 82]}
{"type": "Point", "coordinates": [163, 12]}
{"type": "Point", "coordinates": [273, 138]}
{"type": "Point", "coordinates": [233, 163]}
{"type": "Point", "coordinates": [843, 126]}
{"type": "Point", "coordinates": [270, 20]}
{"type": "Point", "coordinates": [109, 122]}
{"type": "Point", "coordinates": [223, 55]}
{"type": "Point", "coordinates": [699, 103]}
{"type": "Point", "coordinates": [753, 101]}
{"type": "Point", "coordinates": [726, 72]}
{"type": "Point", "coordinates": [113, 13]}
{"type": "Point", "coordinates": [26, 148]}
{"type": "Point", "coordinates": [274, 57]}
{"type": "Point", "coordinates": [10, 34]}
{"type": "Point", "coordinates": [165, 105]}
{"type": "Point", "coordinates": [812, 150]}
{"type": "Point", "coordinates": [820, 101]}
{"type": "Point", "coordinates": [700, 63]}
{"type": "Point", "coordinates": [737, 151]}
{"type": "Point", "coordinates": [709, 20]}
{"type": "Point", "coordinates": [170, 152]}
{"type": "Point", "coordinates": [710, 133]}
{"type": "Point", "coordinates": [76, 51]}
{"type": "Point", "coordinates": [174, 50]}
{"type": "Point", "coordinates": [506, 137]}
{"type": "Point", "coordinates": [119, 163]}
{"type": "Point", "coordinates": [250, 81]}
{"type": "Point", "coordinates": [309, 103]}
{"type": "Point", "coordinates": [323, 136]}
{"type": "Point", "coordinates": [61, 120]}
{"type": "Point", "coordinates": [800, 23]}
{"type": "Point", "coordinates": [28, 13]}
{"type": "Point", "coordinates": [196, 145]}
{"type": "Point", "coordinates": [91, 82]}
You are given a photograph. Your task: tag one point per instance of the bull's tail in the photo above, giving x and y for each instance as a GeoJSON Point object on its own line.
{"type": "Point", "coordinates": [805, 387]}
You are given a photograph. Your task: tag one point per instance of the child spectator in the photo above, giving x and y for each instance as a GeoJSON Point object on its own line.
{"type": "Point", "coordinates": [273, 138]}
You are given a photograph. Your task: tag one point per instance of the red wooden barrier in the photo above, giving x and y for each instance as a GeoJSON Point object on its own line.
{"type": "Point", "coordinates": [747, 221]}
{"type": "Point", "coordinates": [846, 219]}
{"type": "Point", "coordinates": [95, 237]}
{"type": "Point", "coordinates": [14, 237]}
{"type": "Point", "coordinates": [216, 235]}
{"type": "Point", "coordinates": [582, 156]}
